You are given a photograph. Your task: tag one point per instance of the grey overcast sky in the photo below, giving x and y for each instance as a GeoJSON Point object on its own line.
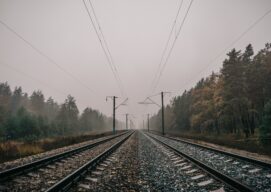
{"type": "Point", "coordinates": [136, 32]}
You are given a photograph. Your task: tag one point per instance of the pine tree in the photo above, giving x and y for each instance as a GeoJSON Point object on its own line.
{"type": "Point", "coordinates": [37, 102]}
{"type": "Point", "coordinates": [234, 92]}
{"type": "Point", "coordinates": [265, 128]}
{"type": "Point", "coordinates": [5, 97]}
{"type": "Point", "coordinates": [68, 116]}
{"type": "Point", "coordinates": [16, 100]}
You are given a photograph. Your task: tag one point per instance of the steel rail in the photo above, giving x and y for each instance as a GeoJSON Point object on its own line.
{"type": "Point", "coordinates": [213, 172]}
{"type": "Point", "coordinates": [248, 159]}
{"type": "Point", "coordinates": [66, 183]}
{"type": "Point", "coordinates": [23, 169]}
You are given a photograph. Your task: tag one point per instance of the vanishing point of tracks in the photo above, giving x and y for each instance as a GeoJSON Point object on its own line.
{"type": "Point", "coordinates": [140, 161]}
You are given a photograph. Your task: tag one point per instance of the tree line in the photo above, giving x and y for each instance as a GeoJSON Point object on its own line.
{"type": "Point", "coordinates": [236, 100]}
{"type": "Point", "coordinates": [24, 117]}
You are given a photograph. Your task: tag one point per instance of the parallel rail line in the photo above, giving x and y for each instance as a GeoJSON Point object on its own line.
{"type": "Point", "coordinates": [23, 169]}
{"type": "Point", "coordinates": [238, 186]}
{"type": "Point", "coordinates": [66, 183]}
{"type": "Point", "coordinates": [234, 155]}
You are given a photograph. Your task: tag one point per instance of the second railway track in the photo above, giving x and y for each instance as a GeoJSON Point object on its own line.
{"type": "Point", "coordinates": [44, 173]}
{"type": "Point", "coordinates": [251, 174]}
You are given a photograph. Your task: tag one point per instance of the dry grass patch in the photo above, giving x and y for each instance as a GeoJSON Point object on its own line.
{"type": "Point", "coordinates": [11, 150]}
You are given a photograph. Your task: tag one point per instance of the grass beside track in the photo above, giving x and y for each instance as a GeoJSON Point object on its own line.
{"type": "Point", "coordinates": [11, 150]}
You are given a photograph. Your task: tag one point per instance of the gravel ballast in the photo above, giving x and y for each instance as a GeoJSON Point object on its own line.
{"type": "Point", "coordinates": [143, 163]}
{"type": "Point", "coordinates": [43, 178]}
{"type": "Point", "coordinates": [254, 176]}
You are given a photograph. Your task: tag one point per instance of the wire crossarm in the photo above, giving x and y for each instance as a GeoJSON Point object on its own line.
{"type": "Point", "coordinates": [123, 103]}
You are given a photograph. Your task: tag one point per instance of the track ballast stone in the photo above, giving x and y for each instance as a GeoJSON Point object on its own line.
{"type": "Point", "coordinates": [141, 163]}
{"type": "Point", "coordinates": [254, 176]}
{"type": "Point", "coordinates": [118, 172]}
{"type": "Point", "coordinates": [45, 177]}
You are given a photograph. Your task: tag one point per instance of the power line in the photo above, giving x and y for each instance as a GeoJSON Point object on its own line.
{"type": "Point", "coordinates": [107, 47]}
{"type": "Point", "coordinates": [104, 47]}
{"type": "Point", "coordinates": [46, 56]}
{"type": "Point", "coordinates": [230, 45]}
{"type": "Point", "coordinates": [99, 26]}
{"type": "Point", "coordinates": [173, 44]}
{"type": "Point", "coordinates": [167, 43]}
{"type": "Point", "coordinates": [154, 95]}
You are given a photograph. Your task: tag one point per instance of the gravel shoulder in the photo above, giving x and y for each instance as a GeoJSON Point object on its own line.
{"type": "Point", "coordinates": [231, 150]}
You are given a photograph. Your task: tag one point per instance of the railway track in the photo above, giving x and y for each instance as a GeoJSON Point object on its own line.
{"type": "Point", "coordinates": [115, 172]}
{"type": "Point", "coordinates": [29, 159]}
{"type": "Point", "coordinates": [66, 183]}
{"type": "Point", "coordinates": [242, 173]}
{"type": "Point", "coordinates": [44, 173]}
{"type": "Point", "coordinates": [175, 172]}
{"type": "Point", "coordinates": [251, 160]}
{"type": "Point", "coordinates": [140, 161]}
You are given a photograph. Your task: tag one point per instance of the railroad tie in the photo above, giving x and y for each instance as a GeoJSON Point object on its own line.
{"type": "Point", "coordinates": [179, 161]}
{"type": "Point", "coordinates": [197, 177]}
{"type": "Point", "coordinates": [191, 171]}
{"type": "Point", "coordinates": [84, 186]}
{"type": "Point", "coordinates": [92, 179]}
{"type": "Point", "coordinates": [245, 166]}
{"type": "Point", "coordinates": [104, 164]}
{"type": "Point", "coordinates": [186, 167]}
{"type": "Point", "coordinates": [254, 170]}
{"type": "Point", "coordinates": [235, 163]}
{"type": "Point", "coordinates": [204, 183]}
{"type": "Point", "coordinates": [176, 158]}
{"type": "Point", "coordinates": [100, 168]}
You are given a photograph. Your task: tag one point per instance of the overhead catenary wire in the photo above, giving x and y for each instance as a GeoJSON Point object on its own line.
{"type": "Point", "coordinates": [172, 46]}
{"type": "Point", "coordinates": [154, 95]}
{"type": "Point", "coordinates": [103, 37]}
{"type": "Point", "coordinates": [167, 43]}
{"type": "Point", "coordinates": [104, 45]}
{"type": "Point", "coordinates": [47, 57]}
{"type": "Point", "coordinates": [232, 43]}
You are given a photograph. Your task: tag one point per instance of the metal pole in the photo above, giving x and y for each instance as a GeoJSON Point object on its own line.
{"type": "Point", "coordinates": [148, 122]}
{"type": "Point", "coordinates": [163, 121]}
{"type": "Point", "coordinates": [143, 124]}
{"type": "Point", "coordinates": [126, 121]}
{"type": "Point", "coordinates": [114, 114]}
